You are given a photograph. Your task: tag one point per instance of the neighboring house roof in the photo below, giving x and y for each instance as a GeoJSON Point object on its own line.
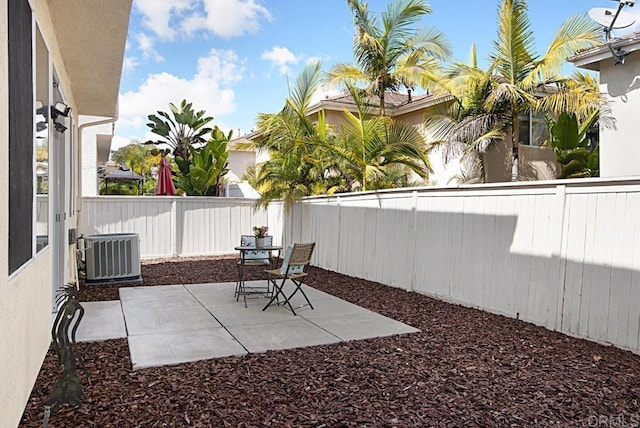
{"type": "Point", "coordinates": [590, 58]}
{"type": "Point", "coordinates": [246, 138]}
{"type": "Point", "coordinates": [92, 34]}
{"type": "Point", "coordinates": [396, 103]}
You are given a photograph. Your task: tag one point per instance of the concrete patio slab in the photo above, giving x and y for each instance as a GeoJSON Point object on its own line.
{"type": "Point", "coordinates": [327, 307]}
{"type": "Point", "coordinates": [151, 350]}
{"type": "Point", "coordinates": [148, 293]}
{"type": "Point", "coordinates": [216, 294]}
{"type": "Point", "coordinates": [291, 333]}
{"type": "Point", "coordinates": [360, 325]}
{"type": "Point", "coordinates": [140, 321]}
{"type": "Point", "coordinates": [101, 321]}
{"type": "Point", "coordinates": [232, 316]}
{"type": "Point", "coordinates": [182, 323]}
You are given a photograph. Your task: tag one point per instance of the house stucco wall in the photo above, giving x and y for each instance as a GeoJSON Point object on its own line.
{"type": "Point", "coordinates": [90, 183]}
{"type": "Point", "coordinates": [620, 147]}
{"type": "Point", "coordinates": [239, 162]}
{"type": "Point", "coordinates": [537, 163]}
{"type": "Point", "coordinates": [25, 297]}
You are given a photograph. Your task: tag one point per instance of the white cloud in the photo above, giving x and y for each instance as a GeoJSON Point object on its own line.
{"type": "Point", "coordinates": [145, 44]}
{"type": "Point", "coordinates": [280, 57]}
{"type": "Point", "coordinates": [118, 142]}
{"type": "Point", "coordinates": [129, 64]}
{"type": "Point", "coordinates": [221, 66]}
{"type": "Point", "coordinates": [158, 15]}
{"type": "Point", "coordinates": [227, 18]}
{"type": "Point", "coordinates": [210, 89]}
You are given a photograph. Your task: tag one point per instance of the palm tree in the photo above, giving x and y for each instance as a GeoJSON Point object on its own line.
{"type": "Point", "coordinates": [520, 71]}
{"type": "Point", "coordinates": [466, 127]}
{"type": "Point", "coordinates": [579, 95]}
{"type": "Point", "coordinates": [487, 103]}
{"type": "Point", "coordinates": [374, 152]}
{"type": "Point", "coordinates": [389, 52]}
{"type": "Point", "coordinates": [295, 144]}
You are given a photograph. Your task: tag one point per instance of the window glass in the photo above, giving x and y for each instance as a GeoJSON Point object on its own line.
{"type": "Point", "coordinates": [523, 131]}
{"type": "Point", "coordinates": [533, 130]}
{"type": "Point", "coordinates": [21, 134]}
{"type": "Point", "coordinates": [538, 129]}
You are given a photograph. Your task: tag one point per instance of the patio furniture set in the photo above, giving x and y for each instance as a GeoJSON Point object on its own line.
{"type": "Point", "coordinates": [293, 268]}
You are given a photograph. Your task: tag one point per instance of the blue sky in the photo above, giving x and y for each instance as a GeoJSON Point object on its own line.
{"type": "Point", "coordinates": [232, 58]}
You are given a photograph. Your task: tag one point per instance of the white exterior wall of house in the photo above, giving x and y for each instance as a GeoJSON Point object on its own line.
{"type": "Point", "coordinates": [620, 86]}
{"type": "Point", "coordinates": [239, 162]}
{"type": "Point", "coordinates": [90, 135]}
{"type": "Point", "coordinates": [26, 294]}
{"type": "Point", "coordinates": [620, 147]}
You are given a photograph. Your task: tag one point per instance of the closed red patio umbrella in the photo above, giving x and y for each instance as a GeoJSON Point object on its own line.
{"type": "Point", "coordinates": [165, 183]}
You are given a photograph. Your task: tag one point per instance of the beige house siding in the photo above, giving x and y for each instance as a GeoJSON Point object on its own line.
{"type": "Point", "coordinates": [537, 163]}
{"type": "Point", "coordinates": [415, 118]}
{"type": "Point", "coordinates": [25, 305]}
{"type": "Point", "coordinates": [25, 298]}
{"type": "Point", "coordinates": [26, 295]}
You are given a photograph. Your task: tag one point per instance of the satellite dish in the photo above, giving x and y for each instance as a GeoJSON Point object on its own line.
{"type": "Point", "coordinates": [613, 19]}
{"type": "Point", "coordinates": [606, 17]}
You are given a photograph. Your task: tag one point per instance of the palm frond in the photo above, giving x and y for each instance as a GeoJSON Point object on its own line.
{"type": "Point", "coordinates": [514, 45]}
{"type": "Point", "coordinates": [576, 33]}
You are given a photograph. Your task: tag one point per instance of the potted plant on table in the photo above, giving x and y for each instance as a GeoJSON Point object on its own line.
{"type": "Point", "coordinates": [260, 232]}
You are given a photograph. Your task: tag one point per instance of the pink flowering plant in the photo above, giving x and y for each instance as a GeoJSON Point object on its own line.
{"type": "Point", "coordinates": [260, 231]}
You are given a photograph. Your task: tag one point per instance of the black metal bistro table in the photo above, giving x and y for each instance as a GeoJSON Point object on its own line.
{"type": "Point", "coordinates": [249, 256]}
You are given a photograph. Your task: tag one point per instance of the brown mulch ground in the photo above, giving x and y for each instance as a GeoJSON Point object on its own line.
{"type": "Point", "coordinates": [465, 368]}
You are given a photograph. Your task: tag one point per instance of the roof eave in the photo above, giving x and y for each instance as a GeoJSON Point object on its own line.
{"type": "Point", "coordinates": [591, 58]}
{"type": "Point", "coordinates": [91, 36]}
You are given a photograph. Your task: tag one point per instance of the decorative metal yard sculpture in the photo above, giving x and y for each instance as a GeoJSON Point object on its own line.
{"type": "Point", "coordinates": [68, 389]}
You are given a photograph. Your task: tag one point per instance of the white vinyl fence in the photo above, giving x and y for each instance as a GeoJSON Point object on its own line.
{"type": "Point", "coordinates": [179, 226]}
{"type": "Point", "coordinates": [562, 254]}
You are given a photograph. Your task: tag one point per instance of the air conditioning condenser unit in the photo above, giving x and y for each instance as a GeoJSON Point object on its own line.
{"type": "Point", "coordinates": [112, 258]}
